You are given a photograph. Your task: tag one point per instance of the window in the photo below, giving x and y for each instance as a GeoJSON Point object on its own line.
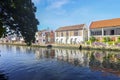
{"type": "Point", "coordinates": [104, 32]}
{"type": "Point", "coordinates": [92, 33]}
{"type": "Point", "coordinates": [112, 32]}
{"type": "Point", "coordinates": [75, 33]}
{"type": "Point", "coordinates": [61, 34]}
{"type": "Point", "coordinates": [56, 34]}
{"type": "Point", "coordinates": [96, 32]}
{"type": "Point", "coordinates": [99, 32]}
{"type": "Point", "coordinates": [67, 33]}
{"type": "Point", "coordinates": [118, 31]}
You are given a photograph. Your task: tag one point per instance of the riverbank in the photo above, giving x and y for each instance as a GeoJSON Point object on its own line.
{"type": "Point", "coordinates": [69, 46]}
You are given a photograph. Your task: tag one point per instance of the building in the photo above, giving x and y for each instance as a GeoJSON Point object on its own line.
{"type": "Point", "coordinates": [71, 34]}
{"type": "Point", "coordinates": [13, 38]}
{"type": "Point", "coordinates": [105, 28]}
{"type": "Point", "coordinates": [44, 37]}
{"type": "Point", "coordinates": [40, 36]}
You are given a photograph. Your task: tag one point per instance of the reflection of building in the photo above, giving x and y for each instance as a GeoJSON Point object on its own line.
{"type": "Point", "coordinates": [44, 53]}
{"type": "Point", "coordinates": [44, 36]}
{"type": "Point", "coordinates": [71, 34]}
{"type": "Point", "coordinates": [103, 28]}
{"type": "Point", "coordinates": [39, 53]}
{"type": "Point", "coordinates": [72, 56]}
{"type": "Point", "coordinates": [95, 60]}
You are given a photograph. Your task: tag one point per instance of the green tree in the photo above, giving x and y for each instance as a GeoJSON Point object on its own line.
{"type": "Point", "coordinates": [2, 30]}
{"type": "Point", "coordinates": [19, 15]}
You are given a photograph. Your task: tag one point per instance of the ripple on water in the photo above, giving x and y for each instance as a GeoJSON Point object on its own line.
{"type": "Point", "coordinates": [42, 64]}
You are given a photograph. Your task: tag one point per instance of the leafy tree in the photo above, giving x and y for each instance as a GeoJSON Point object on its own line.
{"type": "Point", "coordinates": [2, 30]}
{"type": "Point", "coordinates": [19, 15]}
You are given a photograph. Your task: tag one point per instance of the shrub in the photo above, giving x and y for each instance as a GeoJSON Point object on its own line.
{"type": "Point", "coordinates": [106, 39]}
{"type": "Point", "coordinates": [110, 42]}
{"type": "Point", "coordinates": [88, 42]}
{"type": "Point", "coordinates": [118, 39]}
{"type": "Point", "coordinates": [92, 39]}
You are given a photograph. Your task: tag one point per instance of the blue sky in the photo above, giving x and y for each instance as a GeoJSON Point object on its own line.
{"type": "Point", "coordinates": [59, 13]}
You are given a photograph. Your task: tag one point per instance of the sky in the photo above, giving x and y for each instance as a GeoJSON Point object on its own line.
{"type": "Point", "coordinates": [53, 14]}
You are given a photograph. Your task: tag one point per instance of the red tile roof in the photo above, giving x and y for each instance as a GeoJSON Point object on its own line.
{"type": "Point", "coordinates": [74, 27]}
{"type": "Point", "coordinates": [105, 23]}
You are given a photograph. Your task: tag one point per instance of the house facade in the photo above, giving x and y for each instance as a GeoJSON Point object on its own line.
{"type": "Point", "coordinates": [14, 38]}
{"type": "Point", "coordinates": [71, 34]}
{"type": "Point", "coordinates": [40, 37]}
{"type": "Point", "coordinates": [105, 28]}
{"type": "Point", "coordinates": [44, 37]}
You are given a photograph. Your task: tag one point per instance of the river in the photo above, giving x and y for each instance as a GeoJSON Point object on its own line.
{"type": "Point", "coordinates": [25, 63]}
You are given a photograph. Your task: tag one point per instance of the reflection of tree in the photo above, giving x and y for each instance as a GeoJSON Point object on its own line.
{"type": "Point", "coordinates": [106, 61]}
{"type": "Point", "coordinates": [110, 63]}
{"type": "Point", "coordinates": [94, 62]}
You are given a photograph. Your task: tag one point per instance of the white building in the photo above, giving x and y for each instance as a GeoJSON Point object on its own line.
{"type": "Point", "coordinates": [44, 36]}
{"type": "Point", "coordinates": [71, 34]}
{"type": "Point", "coordinates": [40, 36]}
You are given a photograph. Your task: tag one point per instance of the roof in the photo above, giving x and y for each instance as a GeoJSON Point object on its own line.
{"type": "Point", "coordinates": [74, 27]}
{"type": "Point", "coordinates": [105, 23]}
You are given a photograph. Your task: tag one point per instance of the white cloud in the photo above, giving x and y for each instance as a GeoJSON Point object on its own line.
{"type": "Point", "coordinates": [56, 4]}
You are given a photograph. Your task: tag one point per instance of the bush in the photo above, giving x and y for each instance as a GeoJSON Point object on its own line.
{"type": "Point", "coordinates": [106, 39]}
{"type": "Point", "coordinates": [92, 39]}
{"type": "Point", "coordinates": [116, 43]}
{"type": "Point", "coordinates": [88, 42]}
{"type": "Point", "coordinates": [110, 42]}
{"type": "Point", "coordinates": [118, 39]}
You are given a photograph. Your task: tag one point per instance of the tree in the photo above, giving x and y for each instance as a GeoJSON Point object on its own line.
{"type": "Point", "coordinates": [19, 15]}
{"type": "Point", "coordinates": [2, 30]}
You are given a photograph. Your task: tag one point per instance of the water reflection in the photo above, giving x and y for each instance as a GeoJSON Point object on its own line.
{"type": "Point", "coordinates": [105, 62]}
{"type": "Point", "coordinates": [96, 60]}
{"type": "Point", "coordinates": [42, 61]}
{"type": "Point", "coordinates": [76, 57]}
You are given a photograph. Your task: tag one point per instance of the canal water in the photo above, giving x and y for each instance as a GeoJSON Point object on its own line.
{"type": "Point", "coordinates": [24, 63]}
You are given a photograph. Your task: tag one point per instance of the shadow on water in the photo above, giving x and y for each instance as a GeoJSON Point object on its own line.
{"type": "Point", "coordinates": [3, 76]}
